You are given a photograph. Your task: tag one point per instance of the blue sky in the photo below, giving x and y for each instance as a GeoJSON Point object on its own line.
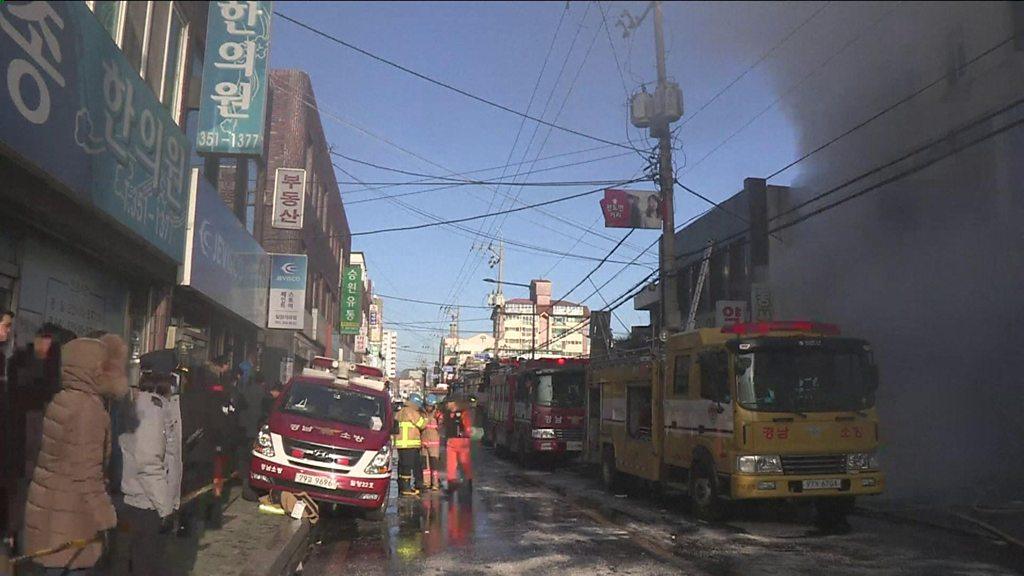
{"type": "Point", "coordinates": [496, 50]}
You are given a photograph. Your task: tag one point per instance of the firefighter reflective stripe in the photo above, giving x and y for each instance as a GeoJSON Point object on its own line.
{"type": "Point", "coordinates": [406, 437]}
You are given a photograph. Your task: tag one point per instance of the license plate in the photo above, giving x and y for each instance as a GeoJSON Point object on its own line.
{"type": "Point", "coordinates": [831, 483]}
{"type": "Point", "coordinates": [318, 481]}
{"type": "Point", "coordinates": [574, 446]}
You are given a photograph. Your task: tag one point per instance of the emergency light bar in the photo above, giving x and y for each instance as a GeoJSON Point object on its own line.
{"type": "Point", "coordinates": [742, 328]}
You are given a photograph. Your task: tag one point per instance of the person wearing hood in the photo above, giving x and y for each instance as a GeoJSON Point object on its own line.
{"type": "Point", "coordinates": [67, 498]}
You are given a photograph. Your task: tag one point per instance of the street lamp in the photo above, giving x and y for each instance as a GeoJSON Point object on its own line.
{"type": "Point", "coordinates": [533, 316]}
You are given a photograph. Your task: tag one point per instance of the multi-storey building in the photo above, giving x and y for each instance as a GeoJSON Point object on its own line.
{"type": "Point", "coordinates": [541, 327]}
{"type": "Point", "coordinates": [389, 350]}
{"type": "Point", "coordinates": [296, 140]}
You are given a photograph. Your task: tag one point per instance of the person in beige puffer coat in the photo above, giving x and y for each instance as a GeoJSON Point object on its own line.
{"type": "Point", "coordinates": [68, 499]}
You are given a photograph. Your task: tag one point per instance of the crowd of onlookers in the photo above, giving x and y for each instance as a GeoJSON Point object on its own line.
{"type": "Point", "coordinates": [120, 469]}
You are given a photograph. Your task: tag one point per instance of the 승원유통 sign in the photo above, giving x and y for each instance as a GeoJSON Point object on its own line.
{"type": "Point", "coordinates": [232, 113]}
{"type": "Point", "coordinates": [351, 300]}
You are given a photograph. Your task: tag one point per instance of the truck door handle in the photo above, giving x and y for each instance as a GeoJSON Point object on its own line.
{"type": "Point", "coordinates": [700, 429]}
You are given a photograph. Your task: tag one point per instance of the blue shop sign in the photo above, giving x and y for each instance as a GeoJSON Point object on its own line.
{"type": "Point", "coordinates": [73, 108]}
{"type": "Point", "coordinates": [224, 261]}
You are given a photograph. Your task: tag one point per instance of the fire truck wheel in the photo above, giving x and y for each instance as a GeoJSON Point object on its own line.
{"type": "Point", "coordinates": [610, 476]}
{"type": "Point", "coordinates": [704, 492]}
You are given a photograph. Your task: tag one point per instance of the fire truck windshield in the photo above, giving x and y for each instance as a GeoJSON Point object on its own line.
{"type": "Point", "coordinates": [329, 403]}
{"type": "Point", "coordinates": [805, 380]}
{"type": "Point", "coordinates": [560, 390]}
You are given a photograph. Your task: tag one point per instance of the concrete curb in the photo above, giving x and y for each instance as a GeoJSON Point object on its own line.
{"type": "Point", "coordinates": [281, 554]}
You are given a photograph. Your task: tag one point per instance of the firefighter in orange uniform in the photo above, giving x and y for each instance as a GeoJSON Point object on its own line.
{"type": "Point", "coordinates": [458, 430]}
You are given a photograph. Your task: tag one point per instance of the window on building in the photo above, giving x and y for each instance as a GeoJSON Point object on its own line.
{"type": "Point", "coordinates": [110, 15]}
{"type": "Point", "coordinates": [159, 17]}
{"type": "Point", "coordinates": [133, 36]}
{"type": "Point", "coordinates": [250, 198]}
{"type": "Point", "coordinates": [174, 63]}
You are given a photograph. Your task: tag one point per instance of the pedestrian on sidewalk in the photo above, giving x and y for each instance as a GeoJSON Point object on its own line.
{"type": "Point", "coordinates": [458, 431]}
{"type": "Point", "coordinates": [33, 380]}
{"type": "Point", "coordinates": [7, 476]}
{"type": "Point", "coordinates": [431, 439]}
{"type": "Point", "coordinates": [67, 499]}
{"type": "Point", "coordinates": [151, 479]}
{"type": "Point", "coordinates": [411, 422]}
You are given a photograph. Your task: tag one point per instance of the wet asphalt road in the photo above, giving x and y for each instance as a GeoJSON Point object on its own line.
{"type": "Point", "coordinates": [543, 522]}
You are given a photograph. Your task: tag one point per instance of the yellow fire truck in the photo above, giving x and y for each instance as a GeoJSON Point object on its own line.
{"type": "Point", "coordinates": [749, 411]}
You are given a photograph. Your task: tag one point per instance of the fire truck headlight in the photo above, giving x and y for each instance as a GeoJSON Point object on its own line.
{"type": "Point", "coordinates": [543, 433]}
{"type": "Point", "coordinates": [861, 461]}
{"type": "Point", "coordinates": [759, 464]}
{"type": "Point", "coordinates": [264, 443]}
{"type": "Point", "coordinates": [381, 463]}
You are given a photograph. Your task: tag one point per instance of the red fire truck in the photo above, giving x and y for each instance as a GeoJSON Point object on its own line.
{"type": "Point", "coordinates": [537, 408]}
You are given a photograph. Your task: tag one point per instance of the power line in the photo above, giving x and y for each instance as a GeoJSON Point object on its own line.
{"type": "Point", "coordinates": [892, 107]}
{"type": "Point", "coordinates": [459, 181]}
{"type": "Point", "coordinates": [446, 85]}
{"type": "Point", "coordinates": [789, 91]}
{"type": "Point", "coordinates": [551, 184]}
{"type": "Point", "coordinates": [468, 267]}
{"type": "Point", "coordinates": [451, 186]}
{"type": "Point", "coordinates": [552, 157]}
{"type": "Point", "coordinates": [479, 216]}
{"type": "Point", "coordinates": [408, 152]}
{"type": "Point", "coordinates": [599, 264]}
{"type": "Point", "coordinates": [756, 63]}
{"type": "Point", "coordinates": [414, 301]}
{"type": "Point", "coordinates": [528, 247]}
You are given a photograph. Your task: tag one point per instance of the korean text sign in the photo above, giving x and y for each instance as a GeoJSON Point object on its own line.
{"type": "Point", "coordinates": [351, 300]}
{"type": "Point", "coordinates": [74, 108]}
{"type": "Point", "coordinates": [287, 291]}
{"type": "Point", "coordinates": [232, 113]}
{"type": "Point", "coordinates": [632, 209]}
{"type": "Point", "coordinates": [289, 198]}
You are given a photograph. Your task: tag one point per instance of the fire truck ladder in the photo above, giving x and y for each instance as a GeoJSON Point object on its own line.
{"type": "Point", "coordinates": [691, 320]}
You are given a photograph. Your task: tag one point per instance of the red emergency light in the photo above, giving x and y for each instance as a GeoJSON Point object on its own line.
{"type": "Point", "coordinates": [369, 371]}
{"type": "Point", "coordinates": [323, 363]}
{"type": "Point", "coordinates": [742, 328]}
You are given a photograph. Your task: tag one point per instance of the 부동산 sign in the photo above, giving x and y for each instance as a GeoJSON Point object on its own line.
{"type": "Point", "coordinates": [234, 95]}
{"type": "Point", "coordinates": [287, 308]}
{"type": "Point", "coordinates": [351, 300]}
{"type": "Point", "coordinates": [223, 261]}
{"type": "Point", "coordinates": [289, 198]}
{"type": "Point", "coordinates": [73, 107]}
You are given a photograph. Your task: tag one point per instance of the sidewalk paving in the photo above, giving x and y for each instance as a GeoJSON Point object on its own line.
{"type": "Point", "coordinates": [246, 533]}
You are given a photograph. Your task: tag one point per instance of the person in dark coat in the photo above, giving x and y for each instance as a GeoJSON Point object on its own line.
{"type": "Point", "coordinates": [200, 425]}
{"type": "Point", "coordinates": [33, 380]}
{"type": "Point", "coordinates": [7, 493]}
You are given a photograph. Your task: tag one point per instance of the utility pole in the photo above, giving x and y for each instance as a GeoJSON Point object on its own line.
{"type": "Point", "coordinates": [497, 298]}
{"type": "Point", "coordinates": [666, 181]}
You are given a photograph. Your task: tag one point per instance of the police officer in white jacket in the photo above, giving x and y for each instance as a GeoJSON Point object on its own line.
{"type": "Point", "coordinates": [151, 477]}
